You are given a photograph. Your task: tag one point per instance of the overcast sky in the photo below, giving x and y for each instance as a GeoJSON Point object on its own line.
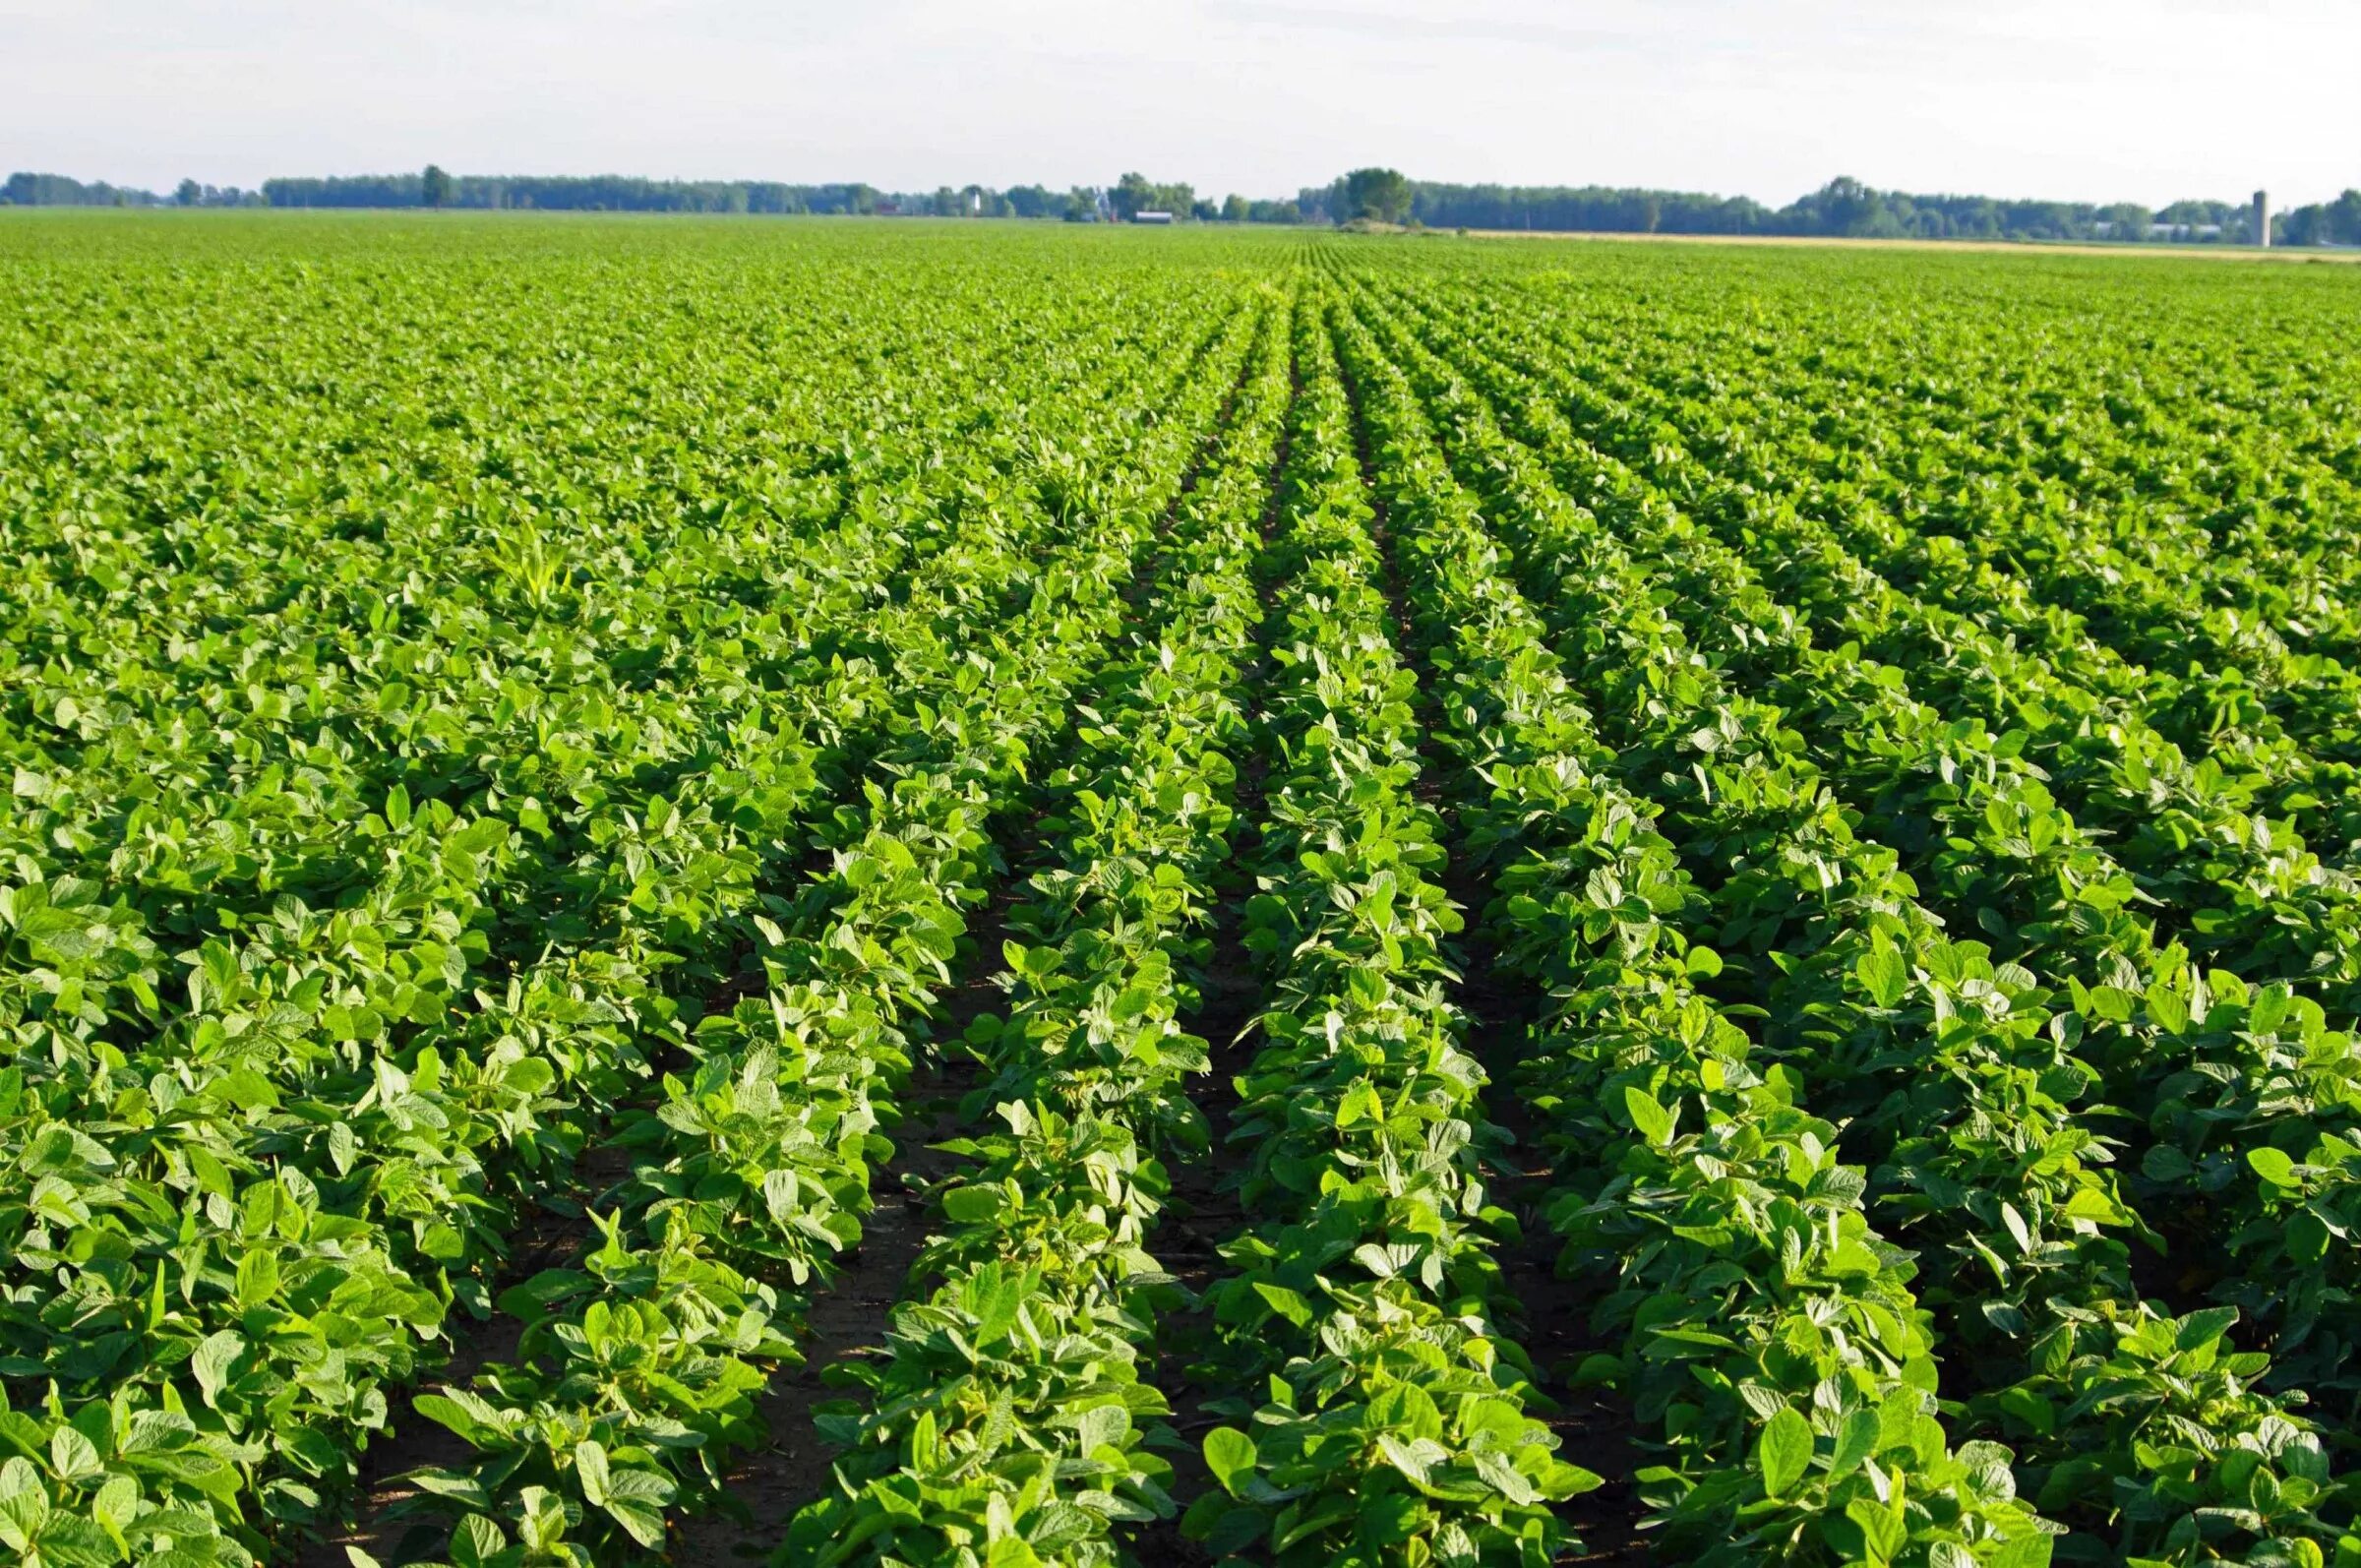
{"type": "Point", "coordinates": [2087, 100]}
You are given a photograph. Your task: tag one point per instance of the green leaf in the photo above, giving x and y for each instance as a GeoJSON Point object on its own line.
{"type": "Point", "coordinates": [643, 1524]}
{"type": "Point", "coordinates": [72, 1456]}
{"type": "Point", "coordinates": [1289, 1304]}
{"type": "Point", "coordinates": [1856, 1440]}
{"type": "Point", "coordinates": [2202, 1328]}
{"type": "Point", "coordinates": [590, 1464]}
{"type": "Point", "coordinates": [212, 1362]}
{"type": "Point", "coordinates": [1784, 1451]}
{"type": "Point", "coordinates": [449, 1411]}
{"type": "Point", "coordinates": [1230, 1454]}
{"type": "Point", "coordinates": [1361, 1104]}
{"type": "Point", "coordinates": [2274, 1166]}
{"type": "Point", "coordinates": [1653, 1120]}
{"type": "Point", "coordinates": [2307, 1237]}
{"type": "Point", "coordinates": [2033, 1549]}
{"type": "Point", "coordinates": [1883, 973]}
{"type": "Point", "coordinates": [1416, 1459]}
{"type": "Point", "coordinates": [999, 1297]}
{"type": "Point", "coordinates": [973, 1205]}
{"type": "Point", "coordinates": [257, 1279]}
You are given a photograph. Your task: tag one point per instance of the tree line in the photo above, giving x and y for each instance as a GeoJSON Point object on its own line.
{"type": "Point", "coordinates": [1844, 207]}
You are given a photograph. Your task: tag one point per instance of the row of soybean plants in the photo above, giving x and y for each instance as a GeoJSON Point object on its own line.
{"type": "Point", "coordinates": [1006, 1418]}
{"type": "Point", "coordinates": [637, 1368]}
{"type": "Point", "coordinates": [1771, 1343]}
{"type": "Point", "coordinates": [2222, 875]}
{"type": "Point", "coordinates": [2238, 628]}
{"type": "Point", "coordinates": [1962, 1083]}
{"type": "Point", "coordinates": [2249, 1096]}
{"type": "Point", "coordinates": [1800, 441]}
{"type": "Point", "coordinates": [2140, 460]}
{"type": "Point", "coordinates": [238, 1219]}
{"type": "Point", "coordinates": [1382, 1413]}
{"type": "Point", "coordinates": [424, 1102]}
{"type": "Point", "coordinates": [1690, 553]}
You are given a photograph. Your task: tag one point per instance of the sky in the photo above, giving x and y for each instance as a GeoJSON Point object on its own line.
{"type": "Point", "coordinates": [2144, 101]}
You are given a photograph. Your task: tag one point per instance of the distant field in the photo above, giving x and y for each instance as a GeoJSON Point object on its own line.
{"type": "Point", "coordinates": [2239, 252]}
{"type": "Point", "coordinates": [964, 893]}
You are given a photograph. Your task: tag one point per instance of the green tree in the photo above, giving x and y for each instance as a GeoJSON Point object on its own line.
{"type": "Point", "coordinates": [2127, 220]}
{"type": "Point", "coordinates": [2344, 218]}
{"type": "Point", "coordinates": [1234, 209]}
{"type": "Point", "coordinates": [188, 192]}
{"type": "Point", "coordinates": [1132, 195]}
{"type": "Point", "coordinates": [434, 186]}
{"type": "Point", "coordinates": [1135, 194]}
{"type": "Point", "coordinates": [1373, 192]}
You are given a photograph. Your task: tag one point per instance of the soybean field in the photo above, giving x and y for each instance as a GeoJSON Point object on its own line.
{"type": "Point", "coordinates": [840, 892]}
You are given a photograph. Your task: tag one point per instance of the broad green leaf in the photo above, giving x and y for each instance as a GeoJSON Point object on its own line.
{"type": "Point", "coordinates": [1783, 1451]}
{"type": "Point", "coordinates": [1230, 1454]}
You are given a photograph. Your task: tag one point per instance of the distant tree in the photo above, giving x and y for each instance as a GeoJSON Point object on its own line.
{"type": "Point", "coordinates": [2127, 220]}
{"type": "Point", "coordinates": [1082, 204]}
{"type": "Point", "coordinates": [1204, 211]}
{"type": "Point", "coordinates": [188, 192]}
{"type": "Point", "coordinates": [1373, 192]}
{"type": "Point", "coordinates": [434, 186]}
{"type": "Point", "coordinates": [1135, 194]}
{"type": "Point", "coordinates": [2344, 218]}
{"type": "Point", "coordinates": [1132, 195]}
{"type": "Point", "coordinates": [1234, 209]}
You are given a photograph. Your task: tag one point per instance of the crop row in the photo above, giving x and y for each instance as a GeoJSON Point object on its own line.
{"type": "Point", "coordinates": [1859, 985]}
{"type": "Point", "coordinates": [1400, 1421]}
{"type": "Point", "coordinates": [2250, 1109]}
{"type": "Point", "coordinates": [2221, 873]}
{"type": "Point", "coordinates": [637, 1368]}
{"type": "Point", "coordinates": [2191, 512]}
{"type": "Point", "coordinates": [1006, 1418]}
{"type": "Point", "coordinates": [1770, 1341]}
{"type": "Point", "coordinates": [338, 1181]}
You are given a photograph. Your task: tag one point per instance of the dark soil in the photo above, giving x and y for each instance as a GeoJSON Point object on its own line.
{"type": "Point", "coordinates": [546, 1238]}
{"type": "Point", "coordinates": [1204, 1212]}
{"type": "Point", "coordinates": [848, 1317]}
{"type": "Point", "coordinates": [845, 1322]}
{"type": "Point", "coordinates": [1553, 1314]}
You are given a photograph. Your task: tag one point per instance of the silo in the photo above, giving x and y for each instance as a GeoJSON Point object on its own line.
{"type": "Point", "coordinates": [2262, 223]}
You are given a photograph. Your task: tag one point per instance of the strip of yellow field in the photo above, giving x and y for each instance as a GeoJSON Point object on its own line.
{"type": "Point", "coordinates": [2225, 252]}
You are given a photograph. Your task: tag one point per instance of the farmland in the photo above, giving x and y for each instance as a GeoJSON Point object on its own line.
{"type": "Point", "coordinates": [851, 893]}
